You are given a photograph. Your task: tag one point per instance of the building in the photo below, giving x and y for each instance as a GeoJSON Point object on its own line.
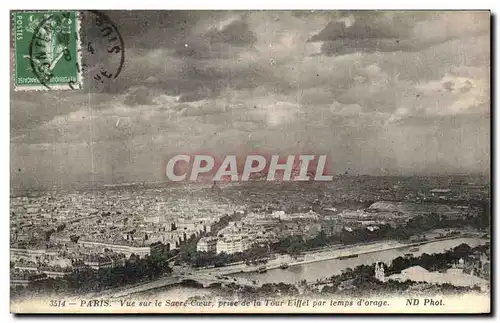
{"type": "Point", "coordinates": [107, 261]}
{"type": "Point", "coordinates": [232, 244]}
{"type": "Point", "coordinates": [158, 248]}
{"type": "Point", "coordinates": [33, 255]}
{"type": "Point", "coordinates": [454, 276]}
{"type": "Point", "coordinates": [97, 262]}
{"type": "Point", "coordinates": [207, 244]}
{"type": "Point", "coordinates": [56, 274]}
{"type": "Point", "coordinates": [332, 226]}
{"type": "Point", "coordinates": [24, 279]}
{"type": "Point", "coordinates": [99, 247]}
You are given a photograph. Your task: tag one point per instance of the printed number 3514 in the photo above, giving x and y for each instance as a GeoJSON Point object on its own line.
{"type": "Point", "coordinates": [57, 303]}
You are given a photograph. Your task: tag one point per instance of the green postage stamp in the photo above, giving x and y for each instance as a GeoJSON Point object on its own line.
{"type": "Point", "coordinates": [47, 50]}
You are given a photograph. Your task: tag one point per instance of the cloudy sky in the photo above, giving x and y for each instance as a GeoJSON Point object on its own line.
{"type": "Point", "coordinates": [380, 92]}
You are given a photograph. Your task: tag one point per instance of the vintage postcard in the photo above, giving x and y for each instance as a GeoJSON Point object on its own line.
{"type": "Point", "coordinates": [250, 161]}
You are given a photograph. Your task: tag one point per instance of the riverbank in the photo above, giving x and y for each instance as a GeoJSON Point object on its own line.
{"type": "Point", "coordinates": [309, 258]}
{"type": "Point", "coordinates": [339, 251]}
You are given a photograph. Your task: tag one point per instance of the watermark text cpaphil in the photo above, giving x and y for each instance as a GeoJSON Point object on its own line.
{"type": "Point", "coordinates": [236, 168]}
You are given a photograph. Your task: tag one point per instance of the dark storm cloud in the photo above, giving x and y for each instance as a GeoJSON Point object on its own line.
{"type": "Point", "coordinates": [170, 29]}
{"type": "Point", "coordinates": [194, 80]}
{"type": "Point", "coordinates": [154, 29]}
{"type": "Point", "coordinates": [370, 32]}
{"type": "Point", "coordinates": [368, 25]}
{"type": "Point", "coordinates": [388, 32]}
{"type": "Point", "coordinates": [237, 33]}
{"type": "Point", "coordinates": [347, 46]}
{"type": "Point", "coordinates": [362, 28]}
{"type": "Point", "coordinates": [216, 44]}
{"type": "Point", "coordinates": [203, 58]}
{"type": "Point", "coordinates": [192, 83]}
{"type": "Point", "coordinates": [199, 48]}
{"type": "Point", "coordinates": [188, 81]}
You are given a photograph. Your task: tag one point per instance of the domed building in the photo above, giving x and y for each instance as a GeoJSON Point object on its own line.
{"type": "Point", "coordinates": [384, 206]}
{"type": "Point", "coordinates": [394, 213]}
{"type": "Point", "coordinates": [402, 211]}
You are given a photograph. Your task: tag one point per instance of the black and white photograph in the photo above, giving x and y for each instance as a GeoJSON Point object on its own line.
{"type": "Point", "coordinates": [250, 161]}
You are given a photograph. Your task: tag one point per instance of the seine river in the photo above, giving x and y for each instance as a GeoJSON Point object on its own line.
{"type": "Point", "coordinates": [328, 268]}
{"type": "Point", "coordinates": [321, 269]}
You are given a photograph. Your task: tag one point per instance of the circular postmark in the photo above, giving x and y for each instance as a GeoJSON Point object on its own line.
{"type": "Point", "coordinates": [103, 52]}
{"type": "Point", "coordinates": [52, 49]}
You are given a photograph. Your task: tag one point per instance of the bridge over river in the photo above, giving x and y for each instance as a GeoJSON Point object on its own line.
{"type": "Point", "coordinates": [205, 279]}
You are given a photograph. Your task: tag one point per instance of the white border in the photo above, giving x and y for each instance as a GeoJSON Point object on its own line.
{"type": "Point", "coordinates": [201, 4]}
